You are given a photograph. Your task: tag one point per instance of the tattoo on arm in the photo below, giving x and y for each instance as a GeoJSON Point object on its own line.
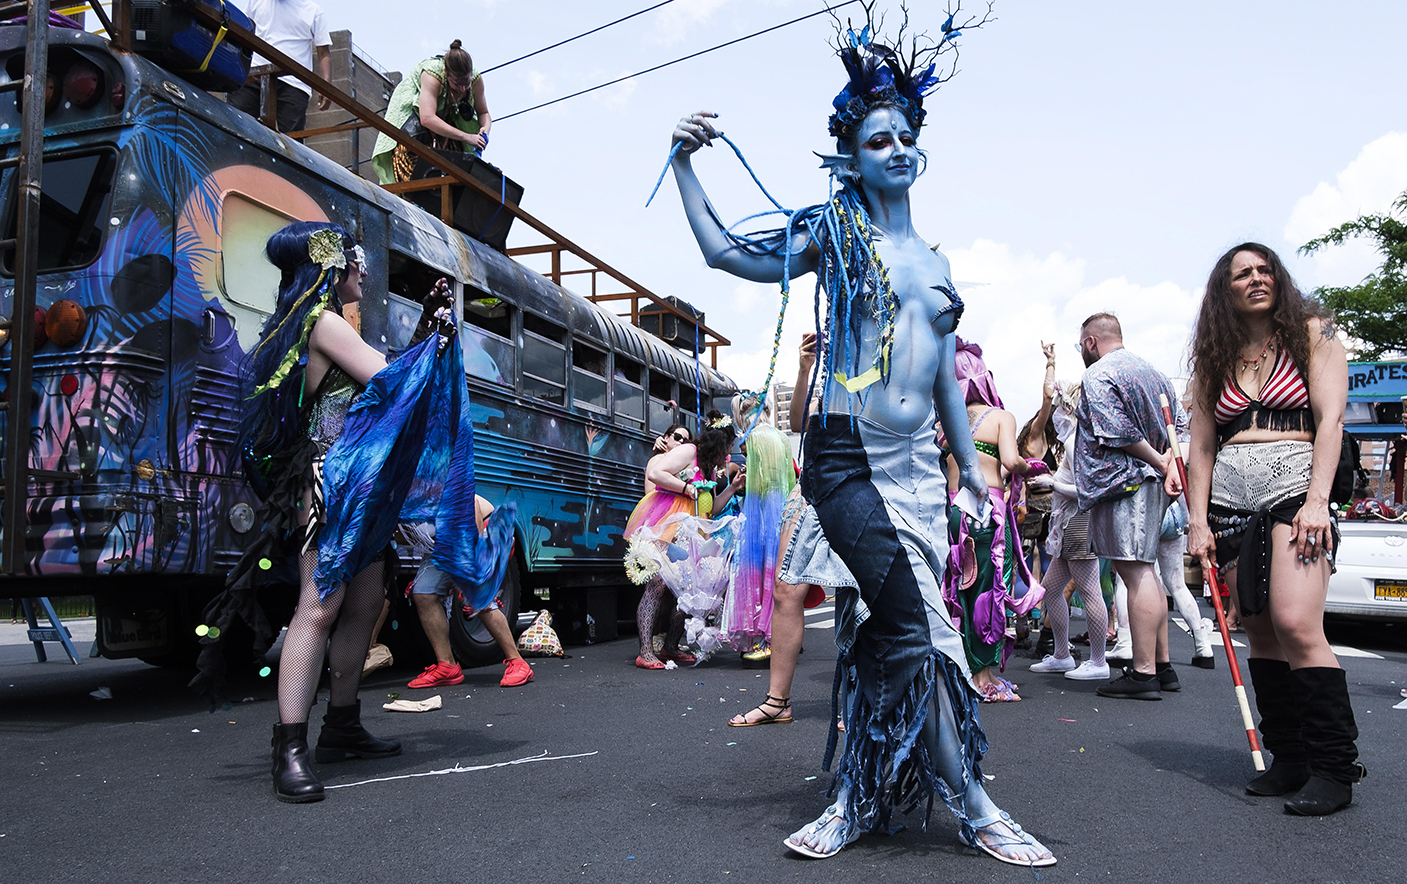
{"type": "Point", "coordinates": [1327, 329]}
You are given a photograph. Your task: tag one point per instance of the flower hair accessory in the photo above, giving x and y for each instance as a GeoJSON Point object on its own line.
{"type": "Point", "coordinates": [720, 422]}
{"type": "Point", "coordinates": [325, 250]}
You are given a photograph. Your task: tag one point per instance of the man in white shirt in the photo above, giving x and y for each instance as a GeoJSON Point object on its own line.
{"type": "Point", "coordinates": [295, 28]}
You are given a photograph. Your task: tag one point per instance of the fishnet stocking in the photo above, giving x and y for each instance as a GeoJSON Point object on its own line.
{"type": "Point", "coordinates": [654, 601]}
{"type": "Point", "coordinates": [347, 615]}
{"type": "Point", "coordinates": [1085, 573]}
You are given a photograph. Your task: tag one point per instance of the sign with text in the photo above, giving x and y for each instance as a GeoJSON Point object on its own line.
{"type": "Point", "coordinates": [1377, 381]}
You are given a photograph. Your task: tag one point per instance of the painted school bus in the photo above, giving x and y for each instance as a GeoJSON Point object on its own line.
{"type": "Point", "coordinates": [157, 202]}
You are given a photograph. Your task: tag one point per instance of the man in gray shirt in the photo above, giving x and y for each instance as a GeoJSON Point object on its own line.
{"type": "Point", "coordinates": [1120, 460]}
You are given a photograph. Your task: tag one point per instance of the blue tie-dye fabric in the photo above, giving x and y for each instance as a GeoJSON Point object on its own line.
{"type": "Point", "coordinates": [406, 454]}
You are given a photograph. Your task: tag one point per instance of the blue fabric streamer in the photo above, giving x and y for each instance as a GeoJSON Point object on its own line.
{"type": "Point", "coordinates": [406, 454]}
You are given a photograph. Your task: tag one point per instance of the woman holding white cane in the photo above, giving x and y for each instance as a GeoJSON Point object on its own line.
{"type": "Point", "coordinates": [1270, 383]}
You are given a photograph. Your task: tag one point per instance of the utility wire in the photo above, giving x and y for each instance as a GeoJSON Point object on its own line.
{"type": "Point", "coordinates": [577, 37]}
{"type": "Point", "coordinates": [677, 60]}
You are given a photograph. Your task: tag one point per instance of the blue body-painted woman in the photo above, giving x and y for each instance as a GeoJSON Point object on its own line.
{"type": "Point", "coordinates": [890, 311]}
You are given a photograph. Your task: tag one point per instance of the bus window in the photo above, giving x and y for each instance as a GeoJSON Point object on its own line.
{"type": "Point", "coordinates": [661, 395]}
{"type": "Point", "coordinates": [589, 377]}
{"type": "Point", "coordinates": [544, 360]}
{"type": "Point", "coordinates": [73, 210]}
{"type": "Point", "coordinates": [488, 337]}
{"type": "Point", "coordinates": [247, 278]}
{"type": "Point", "coordinates": [630, 396]}
{"type": "Point", "coordinates": [688, 399]}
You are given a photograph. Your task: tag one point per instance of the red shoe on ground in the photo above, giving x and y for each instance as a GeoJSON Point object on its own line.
{"type": "Point", "coordinates": [516, 672]}
{"type": "Point", "coordinates": [437, 675]}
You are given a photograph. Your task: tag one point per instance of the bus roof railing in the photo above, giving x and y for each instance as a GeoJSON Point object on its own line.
{"type": "Point", "coordinates": [557, 245]}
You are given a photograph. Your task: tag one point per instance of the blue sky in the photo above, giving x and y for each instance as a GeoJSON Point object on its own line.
{"type": "Point", "coordinates": [1088, 156]}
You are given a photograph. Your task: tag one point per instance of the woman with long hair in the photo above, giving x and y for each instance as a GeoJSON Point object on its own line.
{"type": "Point", "coordinates": [1270, 382]}
{"type": "Point", "coordinates": [888, 309]}
{"type": "Point", "coordinates": [770, 476]}
{"type": "Point", "coordinates": [336, 471]}
{"type": "Point", "coordinates": [996, 548]}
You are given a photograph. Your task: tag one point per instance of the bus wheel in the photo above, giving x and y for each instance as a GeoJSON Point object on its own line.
{"type": "Point", "coordinates": [470, 639]}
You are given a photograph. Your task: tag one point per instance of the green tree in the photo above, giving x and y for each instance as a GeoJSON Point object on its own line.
{"type": "Point", "coordinates": [1374, 312]}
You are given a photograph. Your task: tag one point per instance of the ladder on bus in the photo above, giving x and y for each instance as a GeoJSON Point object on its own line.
{"type": "Point", "coordinates": [54, 632]}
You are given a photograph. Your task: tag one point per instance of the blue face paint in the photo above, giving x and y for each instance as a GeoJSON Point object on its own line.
{"type": "Point", "coordinates": [887, 152]}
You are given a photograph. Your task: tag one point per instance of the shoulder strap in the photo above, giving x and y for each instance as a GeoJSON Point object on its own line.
{"type": "Point", "coordinates": [983, 416]}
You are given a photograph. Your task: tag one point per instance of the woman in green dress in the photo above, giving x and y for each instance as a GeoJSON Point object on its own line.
{"type": "Point", "coordinates": [442, 99]}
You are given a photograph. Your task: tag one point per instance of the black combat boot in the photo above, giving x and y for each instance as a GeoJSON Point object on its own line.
{"type": "Point", "coordinates": [1329, 734]}
{"type": "Point", "coordinates": [1280, 699]}
{"type": "Point", "coordinates": [294, 781]}
{"type": "Point", "coordinates": [343, 737]}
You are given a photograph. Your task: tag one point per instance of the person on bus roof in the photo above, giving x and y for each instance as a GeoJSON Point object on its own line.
{"type": "Point", "coordinates": [441, 103]}
{"type": "Point", "coordinates": [297, 29]}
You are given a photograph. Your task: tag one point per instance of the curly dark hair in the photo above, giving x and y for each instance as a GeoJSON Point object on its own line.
{"type": "Point", "coordinates": [1221, 333]}
{"type": "Point", "coordinates": [713, 446]}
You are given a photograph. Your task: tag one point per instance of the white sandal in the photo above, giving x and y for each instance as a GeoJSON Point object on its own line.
{"type": "Point", "coordinates": [1022, 837]}
{"type": "Point", "coordinates": [831, 815]}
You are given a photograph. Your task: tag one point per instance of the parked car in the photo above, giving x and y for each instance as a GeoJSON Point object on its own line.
{"type": "Point", "coordinates": [1370, 581]}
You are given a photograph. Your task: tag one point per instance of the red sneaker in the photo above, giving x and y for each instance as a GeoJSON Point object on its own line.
{"type": "Point", "coordinates": [516, 672]}
{"type": "Point", "coordinates": [437, 675]}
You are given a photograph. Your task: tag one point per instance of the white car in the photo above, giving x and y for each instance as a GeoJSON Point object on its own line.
{"type": "Point", "coordinates": [1371, 577]}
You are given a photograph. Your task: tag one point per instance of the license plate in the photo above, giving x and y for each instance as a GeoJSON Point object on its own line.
{"type": "Point", "coordinates": [1395, 590]}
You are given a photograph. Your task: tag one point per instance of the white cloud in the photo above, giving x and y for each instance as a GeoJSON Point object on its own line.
{"type": "Point", "coordinates": [1024, 300]}
{"type": "Point", "coordinates": [1368, 185]}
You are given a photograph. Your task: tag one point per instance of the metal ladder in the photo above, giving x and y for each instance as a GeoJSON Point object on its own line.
{"type": "Point", "coordinates": [55, 632]}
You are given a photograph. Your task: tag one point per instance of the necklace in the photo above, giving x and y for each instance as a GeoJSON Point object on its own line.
{"type": "Point", "coordinates": [1253, 365]}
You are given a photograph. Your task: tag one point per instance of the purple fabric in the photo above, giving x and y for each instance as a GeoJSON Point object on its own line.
{"type": "Point", "coordinates": [974, 378]}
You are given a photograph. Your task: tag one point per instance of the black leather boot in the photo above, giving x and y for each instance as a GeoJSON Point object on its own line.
{"type": "Point", "coordinates": [343, 737]}
{"type": "Point", "coordinates": [1329, 734]}
{"type": "Point", "coordinates": [1280, 699]}
{"type": "Point", "coordinates": [294, 781]}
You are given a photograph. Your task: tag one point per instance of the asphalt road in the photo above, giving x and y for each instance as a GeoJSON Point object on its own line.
{"type": "Point", "coordinates": [597, 771]}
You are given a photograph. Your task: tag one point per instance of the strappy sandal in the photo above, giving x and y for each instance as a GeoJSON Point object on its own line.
{"type": "Point", "coordinates": [1019, 836]}
{"type": "Point", "coordinates": [781, 704]}
{"type": "Point", "coordinates": [997, 692]}
{"type": "Point", "coordinates": [831, 815]}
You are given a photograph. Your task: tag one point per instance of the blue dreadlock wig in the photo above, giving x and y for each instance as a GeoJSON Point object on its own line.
{"type": "Point", "coordinates": [271, 379]}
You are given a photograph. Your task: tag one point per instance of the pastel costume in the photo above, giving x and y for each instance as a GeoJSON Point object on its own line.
{"type": "Point", "coordinates": [747, 611]}
{"type": "Point", "coordinates": [405, 104]}
{"type": "Point", "coordinates": [690, 553]}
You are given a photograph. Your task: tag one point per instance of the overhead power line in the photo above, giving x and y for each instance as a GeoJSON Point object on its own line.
{"type": "Point", "coordinates": [678, 60]}
{"type": "Point", "coordinates": [578, 36]}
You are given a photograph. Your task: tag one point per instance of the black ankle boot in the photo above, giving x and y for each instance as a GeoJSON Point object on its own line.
{"type": "Point", "coordinates": [1280, 699]}
{"type": "Point", "coordinates": [294, 781]}
{"type": "Point", "coordinates": [1329, 734]}
{"type": "Point", "coordinates": [1045, 643]}
{"type": "Point", "coordinates": [343, 737]}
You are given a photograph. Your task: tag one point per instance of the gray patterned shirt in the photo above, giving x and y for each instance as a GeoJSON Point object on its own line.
{"type": "Point", "coordinates": [1118, 407]}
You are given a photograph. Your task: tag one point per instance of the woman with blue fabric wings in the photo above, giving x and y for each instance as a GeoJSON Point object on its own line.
{"type": "Point", "coordinates": [887, 305]}
{"type": "Point", "coordinates": [340, 446]}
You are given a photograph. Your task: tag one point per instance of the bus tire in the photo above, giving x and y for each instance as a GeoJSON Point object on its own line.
{"type": "Point", "coordinates": [470, 639]}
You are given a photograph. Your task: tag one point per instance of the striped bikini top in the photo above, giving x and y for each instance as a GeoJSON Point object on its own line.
{"type": "Point", "coordinates": [1283, 403]}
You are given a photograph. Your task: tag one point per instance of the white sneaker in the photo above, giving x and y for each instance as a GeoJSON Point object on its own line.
{"type": "Point", "coordinates": [1052, 663]}
{"type": "Point", "coordinates": [1087, 671]}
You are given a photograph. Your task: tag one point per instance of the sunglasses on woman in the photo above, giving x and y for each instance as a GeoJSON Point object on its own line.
{"type": "Point", "coordinates": [678, 437]}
